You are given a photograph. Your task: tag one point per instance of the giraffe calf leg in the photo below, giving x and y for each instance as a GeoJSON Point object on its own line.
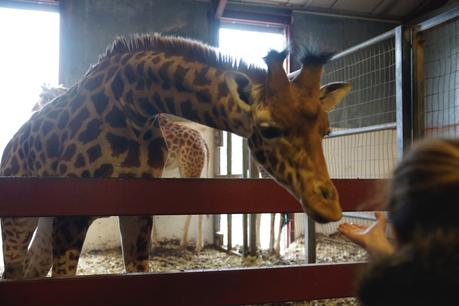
{"type": "Point", "coordinates": [40, 254]}
{"type": "Point", "coordinates": [199, 239]}
{"type": "Point", "coordinates": [186, 228]}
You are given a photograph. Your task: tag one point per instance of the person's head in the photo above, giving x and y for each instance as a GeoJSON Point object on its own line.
{"type": "Point", "coordinates": [424, 193]}
{"type": "Point", "coordinates": [423, 205]}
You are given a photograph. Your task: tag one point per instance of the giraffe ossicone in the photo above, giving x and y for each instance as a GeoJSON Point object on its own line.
{"type": "Point", "coordinates": [102, 127]}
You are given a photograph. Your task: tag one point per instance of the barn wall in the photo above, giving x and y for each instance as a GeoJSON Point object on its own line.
{"type": "Point", "coordinates": [88, 26]}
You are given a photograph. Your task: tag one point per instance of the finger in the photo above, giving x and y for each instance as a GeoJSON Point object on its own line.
{"type": "Point", "coordinates": [352, 235]}
{"type": "Point", "coordinates": [361, 227]}
{"type": "Point", "coordinates": [349, 229]}
{"type": "Point", "coordinates": [379, 215]}
{"type": "Point", "coordinates": [347, 226]}
{"type": "Point", "coordinates": [355, 227]}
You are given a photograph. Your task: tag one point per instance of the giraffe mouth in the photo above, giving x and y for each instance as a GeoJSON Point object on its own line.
{"type": "Point", "coordinates": [322, 211]}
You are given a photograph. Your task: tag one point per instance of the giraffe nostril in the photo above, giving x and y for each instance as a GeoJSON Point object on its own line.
{"type": "Point", "coordinates": [325, 192]}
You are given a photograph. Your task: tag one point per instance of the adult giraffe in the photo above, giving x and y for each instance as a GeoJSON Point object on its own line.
{"type": "Point", "coordinates": [102, 128]}
{"type": "Point", "coordinates": [187, 151]}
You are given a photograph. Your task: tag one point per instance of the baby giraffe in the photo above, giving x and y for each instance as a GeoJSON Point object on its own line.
{"type": "Point", "coordinates": [187, 151]}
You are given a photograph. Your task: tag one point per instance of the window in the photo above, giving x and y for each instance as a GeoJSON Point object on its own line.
{"type": "Point", "coordinates": [252, 43]}
{"type": "Point", "coordinates": [29, 57]}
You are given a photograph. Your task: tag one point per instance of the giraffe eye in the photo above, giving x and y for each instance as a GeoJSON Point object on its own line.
{"type": "Point", "coordinates": [270, 132]}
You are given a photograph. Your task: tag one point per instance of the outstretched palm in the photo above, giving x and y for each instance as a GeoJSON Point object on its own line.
{"type": "Point", "coordinates": [372, 238]}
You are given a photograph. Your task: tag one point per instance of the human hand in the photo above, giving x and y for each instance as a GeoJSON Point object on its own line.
{"type": "Point", "coordinates": [372, 238]}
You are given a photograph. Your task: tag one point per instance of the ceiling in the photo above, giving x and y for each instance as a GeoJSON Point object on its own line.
{"type": "Point", "coordinates": [396, 10]}
{"type": "Point", "coordinates": [384, 9]}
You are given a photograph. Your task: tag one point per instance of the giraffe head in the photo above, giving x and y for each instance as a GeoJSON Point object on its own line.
{"type": "Point", "coordinates": [289, 122]}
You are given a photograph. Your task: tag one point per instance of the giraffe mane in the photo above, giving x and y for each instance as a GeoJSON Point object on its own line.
{"type": "Point", "coordinates": [188, 48]}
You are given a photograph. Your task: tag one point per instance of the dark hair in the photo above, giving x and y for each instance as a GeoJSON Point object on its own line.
{"type": "Point", "coordinates": [424, 272]}
{"type": "Point", "coordinates": [424, 193]}
{"type": "Point", "coordinates": [423, 204]}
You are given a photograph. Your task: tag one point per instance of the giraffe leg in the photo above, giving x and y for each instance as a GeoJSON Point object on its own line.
{"type": "Point", "coordinates": [199, 241]}
{"type": "Point", "coordinates": [68, 237]}
{"type": "Point", "coordinates": [135, 237]}
{"type": "Point", "coordinates": [16, 235]}
{"type": "Point", "coordinates": [186, 227]}
{"type": "Point", "coordinates": [279, 232]}
{"type": "Point", "coordinates": [40, 254]}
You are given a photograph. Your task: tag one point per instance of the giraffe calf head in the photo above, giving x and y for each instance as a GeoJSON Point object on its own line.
{"type": "Point", "coordinates": [289, 123]}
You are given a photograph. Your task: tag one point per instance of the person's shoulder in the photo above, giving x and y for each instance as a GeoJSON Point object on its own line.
{"type": "Point", "coordinates": [424, 272]}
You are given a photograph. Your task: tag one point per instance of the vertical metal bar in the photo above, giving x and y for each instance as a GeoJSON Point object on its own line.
{"type": "Point", "coordinates": [229, 157]}
{"type": "Point", "coordinates": [418, 85]}
{"type": "Point", "coordinates": [253, 235]}
{"type": "Point", "coordinates": [245, 159]}
{"type": "Point", "coordinates": [272, 234]}
{"type": "Point", "coordinates": [245, 234]}
{"type": "Point", "coordinates": [309, 240]}
{"type": "Point", "coordinates": [218, 137]}
{"type": "Point", "coordinates": [245, 173]}
{"type": "Point", "coordinates": [229, 217]}
{"type": "Point", "coordinates": [291, 229]}
{"type": "Point", "coordinates": [253, 173]}
{"type": "Point", "coordinates": [229, 222]}
{"type": "Point", "coordinates": [403, 89]}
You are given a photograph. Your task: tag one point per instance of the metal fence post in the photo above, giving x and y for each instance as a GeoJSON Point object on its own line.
{"type": "Point", "coordinates": [403, 89]}
{"type": "Point", "coordinates": [309, 240]}
{"type": "Point", "coordinates": [418, 83]}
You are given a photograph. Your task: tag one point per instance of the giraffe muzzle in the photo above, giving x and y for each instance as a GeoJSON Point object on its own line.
{"type": "Point", "coordinates": [322, 203]}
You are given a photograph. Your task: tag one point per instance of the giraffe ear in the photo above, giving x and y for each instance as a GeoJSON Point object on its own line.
{"type": "Point", "coordinates": [332, 94]}
{"type": "Point", "coordinates": [240, 85]}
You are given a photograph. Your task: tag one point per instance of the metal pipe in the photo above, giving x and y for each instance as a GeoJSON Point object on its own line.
{"type": "Point", "coordinates": [365, 44]}
{"type": "Point", "coordinates": [437, 20]}
{"type": "Point", "coordinates": [366, 129]}
{"type": "Point", "coordinates": [353, 17]}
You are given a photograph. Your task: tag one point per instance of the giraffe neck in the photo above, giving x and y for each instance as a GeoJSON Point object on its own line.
{"type": "Point", "coordinates": [149, 82]}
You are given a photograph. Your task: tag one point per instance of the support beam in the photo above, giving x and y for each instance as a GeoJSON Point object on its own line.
{"type": "Point", "coordinates": [403, 89]}
{"type": "Point", "coordinates": [220, 8]}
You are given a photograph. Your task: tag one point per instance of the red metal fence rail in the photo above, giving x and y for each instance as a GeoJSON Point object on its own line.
{"type": "Point", "coordinates": [223, 287]}
{"type": "Point", "coordinates": [103, 197]}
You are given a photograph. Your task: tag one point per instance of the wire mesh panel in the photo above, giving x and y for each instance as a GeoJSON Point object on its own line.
{"type": "Point", "coordinates": [363, 143]}
{"type": "Point", "coordinates": [371, 71]}
{"type": "Point", "coordinates": [441, 70]}
{"type": "Point", "coordinates": [365, 155]}
{"type": "Point", "coordinates": [369, 153]}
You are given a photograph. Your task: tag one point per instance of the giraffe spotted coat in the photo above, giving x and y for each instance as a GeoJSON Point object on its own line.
{"type": "Point", "coordinates": [106, 126]}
